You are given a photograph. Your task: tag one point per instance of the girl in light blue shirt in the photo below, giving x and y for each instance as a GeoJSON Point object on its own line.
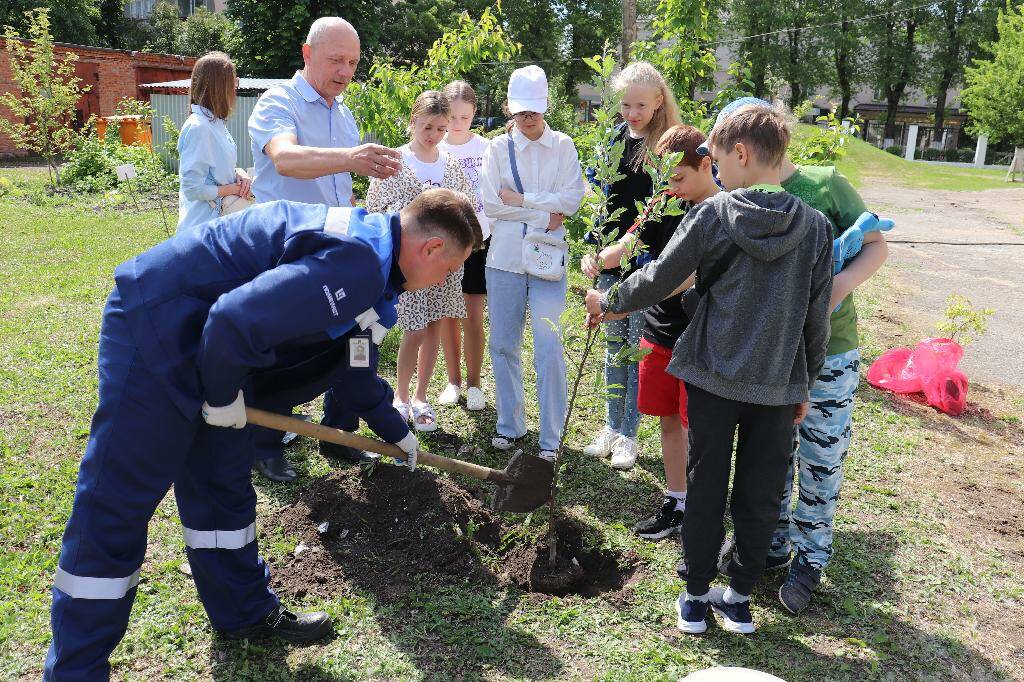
{"type": "Point", "coordinates": [206, 152]}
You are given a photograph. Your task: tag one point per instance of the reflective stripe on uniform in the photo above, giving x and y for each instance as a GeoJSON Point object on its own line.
{"type": "Point", "coordinates": [337, 220]}
{"type": "Point", "coordinates": [220, 539]}
{"type": "Point", "coordinates": [82, 587]}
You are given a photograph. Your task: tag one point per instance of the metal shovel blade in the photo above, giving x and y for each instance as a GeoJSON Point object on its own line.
{"type": "Point", "coordinates": [528, 486]}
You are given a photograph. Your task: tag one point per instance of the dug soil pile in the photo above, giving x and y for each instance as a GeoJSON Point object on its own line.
{"type": "Point", "coordinates": [381, 531]}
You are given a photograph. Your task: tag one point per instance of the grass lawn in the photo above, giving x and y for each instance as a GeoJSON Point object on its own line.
{"type": "Point", "coordinates": [864, 161]}
{"type": "Point", "coordinates": [926, 584]}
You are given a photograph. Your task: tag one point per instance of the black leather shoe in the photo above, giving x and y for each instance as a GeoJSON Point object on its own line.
{"type": "Point", "coordinates": [346, 453]}
{"type": "Point", "coordinates": [281, 623]}
{"type": "Point", "coordinates": [276, 469]}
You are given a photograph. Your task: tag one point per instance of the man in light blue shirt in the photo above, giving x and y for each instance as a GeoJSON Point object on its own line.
{"type": "Point", "coordinates": [305, 145]}
{"type": "Point", "coordinates": [305, 142]}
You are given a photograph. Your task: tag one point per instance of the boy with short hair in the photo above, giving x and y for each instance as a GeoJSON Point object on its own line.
{"type": "Point", "coordinates": [749, 355]}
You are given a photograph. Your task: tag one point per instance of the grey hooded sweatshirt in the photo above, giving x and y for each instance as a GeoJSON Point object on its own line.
{"type": "Point", "coordinates": [760, 332]}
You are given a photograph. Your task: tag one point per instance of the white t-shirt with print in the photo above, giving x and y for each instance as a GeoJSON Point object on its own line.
{"type": "Point", "coordinates": [430, 174]}
{"type": "Point", "coordinates": [471, 158]}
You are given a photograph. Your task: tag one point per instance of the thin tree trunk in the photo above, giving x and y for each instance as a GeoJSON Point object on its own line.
{"type": "Point", "coordinates": [842, 60]}
{"type": "Point", "coordinates": [795, 87]}
{"type": "Point", "coordinates": [894, 92]}
{"type": "Point", "coordinates": [629, 30]}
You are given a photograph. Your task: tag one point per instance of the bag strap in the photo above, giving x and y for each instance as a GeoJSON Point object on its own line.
{"type": "Point", "coordinates": [717, 270]}
{"type": "Point", "coordinates": [515, 167]}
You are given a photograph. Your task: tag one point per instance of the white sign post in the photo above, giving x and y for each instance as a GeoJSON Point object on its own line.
{"type": "Point", "coordinates": [911, 142]}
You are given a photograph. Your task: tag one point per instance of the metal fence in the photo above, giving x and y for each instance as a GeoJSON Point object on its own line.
{"type": "Point", "coordinates": [176, 108]}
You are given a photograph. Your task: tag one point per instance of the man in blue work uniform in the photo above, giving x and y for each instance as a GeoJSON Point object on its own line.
{"type": "Point", "coordinates": [267, 306]}
{"type": "Point", "coordinates": [305, 146]}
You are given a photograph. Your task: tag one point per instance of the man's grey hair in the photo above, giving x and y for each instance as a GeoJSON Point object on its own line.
{"type": "Point", "coordinates": [322, 25]}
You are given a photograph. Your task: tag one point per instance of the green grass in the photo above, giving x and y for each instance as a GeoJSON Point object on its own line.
{"type": "Point", "coordinates": [864, 161]}
{"type": "Point", "coordinates": [902, 600]}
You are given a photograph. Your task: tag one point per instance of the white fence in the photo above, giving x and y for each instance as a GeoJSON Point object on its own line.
{"type": "Point", "coordinates": [176, 108]}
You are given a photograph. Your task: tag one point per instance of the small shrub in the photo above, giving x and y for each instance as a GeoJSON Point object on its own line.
{"type": "Point", "coordinates": [965, 154]}
{"type": "Point", "coordinates": [92, 165]}
{"type": "Point", "coordinates": [961, 321]}
{"type": "Point", "coordinates": [894, 150]}
{"type": "Point", "coordinates": [932, 154]}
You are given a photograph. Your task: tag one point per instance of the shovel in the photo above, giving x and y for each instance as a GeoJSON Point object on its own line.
{"type": "Point", "coordinates": [522, 486]}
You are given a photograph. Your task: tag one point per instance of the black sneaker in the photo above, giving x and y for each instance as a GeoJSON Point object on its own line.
{"type": "Point", "coordinates": [283, 624]}
{"type": "Point", "coordinates": [795, 593]}
{"type": "Point", "coordinates": [276, 469]}
{"type": "Point", "coordinates": [771, 563]}
{"type": "Point", "coordinates": [735, 617]}
{"type": "Point", "coordinates": [668, 520]}
{"type": "Point", "coordinates": [346, 453]}
{"type": "Point", "coordinates": [691, 615]}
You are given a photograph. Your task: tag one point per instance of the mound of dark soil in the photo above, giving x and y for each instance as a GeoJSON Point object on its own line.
{"type": "Point", "coordinates": [384, 529]}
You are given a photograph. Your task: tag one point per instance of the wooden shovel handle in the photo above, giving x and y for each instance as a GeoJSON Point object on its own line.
{"type": "Point", "coordinates": [279, 422]}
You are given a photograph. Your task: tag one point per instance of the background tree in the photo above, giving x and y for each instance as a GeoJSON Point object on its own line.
{"type": "Point", "coordinates": [842, 39]}
{"type": "Point", "coordinates": [680, 46]}
{"type": "Point", "coordinates": [994, 96]}
{"type": "Point", "coordinates": [629, 31]}
{"type": "Point", "coordinates": [754, 18]}
{"type": "Point", "coordinates": [71, 21]}
{"type": "Point", "coordinates": [205, 31]}
{"type": "Point", "coordinates": [799, 54]}
{"type": "Point", "coordinates": [894, 53]}
{"type": "Point", "coordinates": [590, 24]}
{"type": "Point", "coordinates": [956, 32]}
{"type": "Point", "coordinates": [43, 105]}
{"type": "Point", "coordinates": [166, 27]}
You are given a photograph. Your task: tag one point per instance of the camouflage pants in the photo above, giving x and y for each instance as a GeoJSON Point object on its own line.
{"type": "Point", "coordinates": [819, 448]}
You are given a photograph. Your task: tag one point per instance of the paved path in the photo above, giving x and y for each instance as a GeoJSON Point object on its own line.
{"type": "Point", "coordinates": [990, 276]}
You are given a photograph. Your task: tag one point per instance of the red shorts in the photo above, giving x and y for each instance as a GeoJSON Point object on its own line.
{"type": "Point", "coordinates": [660, 394]}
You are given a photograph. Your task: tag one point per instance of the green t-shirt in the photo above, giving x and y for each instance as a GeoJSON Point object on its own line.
{"type": "Point", "coordinates": [825, 189]}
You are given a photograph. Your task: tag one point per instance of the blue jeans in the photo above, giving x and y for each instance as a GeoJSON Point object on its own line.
{"type": "Point", "coordinates": [820, 448]}
{"type": "Point", "coordinates": [510, 294]}
{"type": "Point", "coordinates": [622, 415]}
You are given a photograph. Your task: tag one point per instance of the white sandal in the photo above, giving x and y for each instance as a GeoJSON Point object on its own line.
{"type": "Point", "coordinates": [423, 410]}
{"type": "Point", "coordinates": [403, 409]}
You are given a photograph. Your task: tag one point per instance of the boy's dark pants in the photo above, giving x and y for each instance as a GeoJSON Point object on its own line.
{"type": "Point", "coordinates": [762, 458]}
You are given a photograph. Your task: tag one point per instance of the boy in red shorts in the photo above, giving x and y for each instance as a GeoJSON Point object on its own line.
{"type": "Point", "coordinates": [660, 394]}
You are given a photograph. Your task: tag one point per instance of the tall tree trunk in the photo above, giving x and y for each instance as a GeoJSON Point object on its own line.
{"type": "Point", "coordinates": [940, 102]}
{"type": "Point", "coordinates": [795, 86]}
{"type": "Point", "coordinates": [629, 30]}
{"type": "Point", "coordinates": [894, 92]}
{"type": "Point", "coordinates": [842, 60]}
{"type": "Point", "coordinates": [953, 43]}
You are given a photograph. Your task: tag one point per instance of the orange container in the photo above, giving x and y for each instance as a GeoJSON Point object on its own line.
{"type": "Point", "coordinates": [132, 129]}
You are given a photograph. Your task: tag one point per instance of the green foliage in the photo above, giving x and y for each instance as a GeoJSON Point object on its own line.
{"type": "Point", "coordinates": [129, 106]}
{"type": "Point", "coordinates": [893, 67]}
{"type": "Point", "coordinates": [681, 32]}
{"type": "Point", "coordinates": [994, 95]}
{"type": "Point", "coordinates": [895, 150]}
{"type": "Point", "coordinates": [382, 102]}
{"type": "Point", "coordinates": [205, 31]}
{"type": "Point", "coordinates": [73, 21]}
{"type": "Point", "coordinates": [42, 103]}
{"type": "Point", "coordinates": [828, 143]}
{"type": "Point", "coordinates": [961, 321]}
{"type": "Point", "coordinates": [165, 28]}
{"type": "Point", "coordinates": [92, 163]}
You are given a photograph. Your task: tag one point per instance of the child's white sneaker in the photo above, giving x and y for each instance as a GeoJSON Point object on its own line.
{"type": "Point", "coordinates": [450, 395]}
{"type": "Point", "coordinates": [624, 453]}
{"type": "Point", "coordinates": [602, 445]}
{"type": "Point", "coordinates": [475, 399]}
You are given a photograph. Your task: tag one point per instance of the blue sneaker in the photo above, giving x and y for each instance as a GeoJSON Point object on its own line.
{"type": "Point", "coordinates": [692, 615]}
{"type": "Point", "coordinates": [735, 617]}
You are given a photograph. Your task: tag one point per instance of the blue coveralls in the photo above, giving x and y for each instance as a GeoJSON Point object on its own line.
{"type": "Point", "coordinates": [265, 300]}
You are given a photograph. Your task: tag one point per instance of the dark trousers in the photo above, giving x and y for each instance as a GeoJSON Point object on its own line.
{"type": "Point", "coordinates": [762, 458]}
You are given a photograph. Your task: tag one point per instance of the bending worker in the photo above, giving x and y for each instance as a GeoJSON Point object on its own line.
{"type": "Point", "coordinates": [269, 307]}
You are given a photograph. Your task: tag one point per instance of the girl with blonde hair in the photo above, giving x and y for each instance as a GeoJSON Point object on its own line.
{"type": "Point", "coordinates": [648, 109]}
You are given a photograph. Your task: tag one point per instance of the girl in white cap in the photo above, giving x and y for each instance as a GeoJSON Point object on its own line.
{"type": "Point", "coordinates": [531, 181]}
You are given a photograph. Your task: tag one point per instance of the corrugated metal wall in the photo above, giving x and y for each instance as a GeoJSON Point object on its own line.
{"type": "Point", "coordinates": [176, 108]}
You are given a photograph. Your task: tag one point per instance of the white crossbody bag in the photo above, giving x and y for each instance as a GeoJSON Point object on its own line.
{"type": "Point", "coordinates": [544, 254]}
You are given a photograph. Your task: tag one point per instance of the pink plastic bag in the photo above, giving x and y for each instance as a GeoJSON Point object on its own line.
{"type": "Point", "coordinates": [930, 368]}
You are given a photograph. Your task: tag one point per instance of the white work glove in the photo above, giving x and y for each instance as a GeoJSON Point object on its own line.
{"type": "Point", "coordinates": [232, 415]}
{"type": "Point", "coordinates": [410, 446]}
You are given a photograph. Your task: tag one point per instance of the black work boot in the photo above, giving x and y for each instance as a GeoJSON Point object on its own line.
{"type": "Point", "coordinates": [346, 453]}
{"type": "Point", "coordinates": [283, 624]}
{"type": "Point", "coordinates": [276, 469]}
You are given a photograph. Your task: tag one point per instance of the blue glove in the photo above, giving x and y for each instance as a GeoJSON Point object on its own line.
{"type": "Point", "coordinates": [849, 244]}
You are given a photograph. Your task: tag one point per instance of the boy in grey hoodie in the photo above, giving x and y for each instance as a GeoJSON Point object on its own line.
{"type": "Point", "coordinates": [749, 355]}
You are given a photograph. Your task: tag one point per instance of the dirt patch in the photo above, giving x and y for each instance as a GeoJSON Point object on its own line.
{"type": "Point", "coordinates": [383, 529]}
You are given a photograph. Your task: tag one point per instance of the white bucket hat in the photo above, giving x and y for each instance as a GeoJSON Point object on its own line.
{"type": "Point", "coordinates": [528, 90]}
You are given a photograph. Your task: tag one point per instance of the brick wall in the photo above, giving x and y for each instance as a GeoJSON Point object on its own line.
{"type": "Point", "coordinates": [116, 75]}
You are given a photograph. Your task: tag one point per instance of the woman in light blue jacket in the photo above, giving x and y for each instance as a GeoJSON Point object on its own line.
{"type": "Point", "coordinates": [206, 151]}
